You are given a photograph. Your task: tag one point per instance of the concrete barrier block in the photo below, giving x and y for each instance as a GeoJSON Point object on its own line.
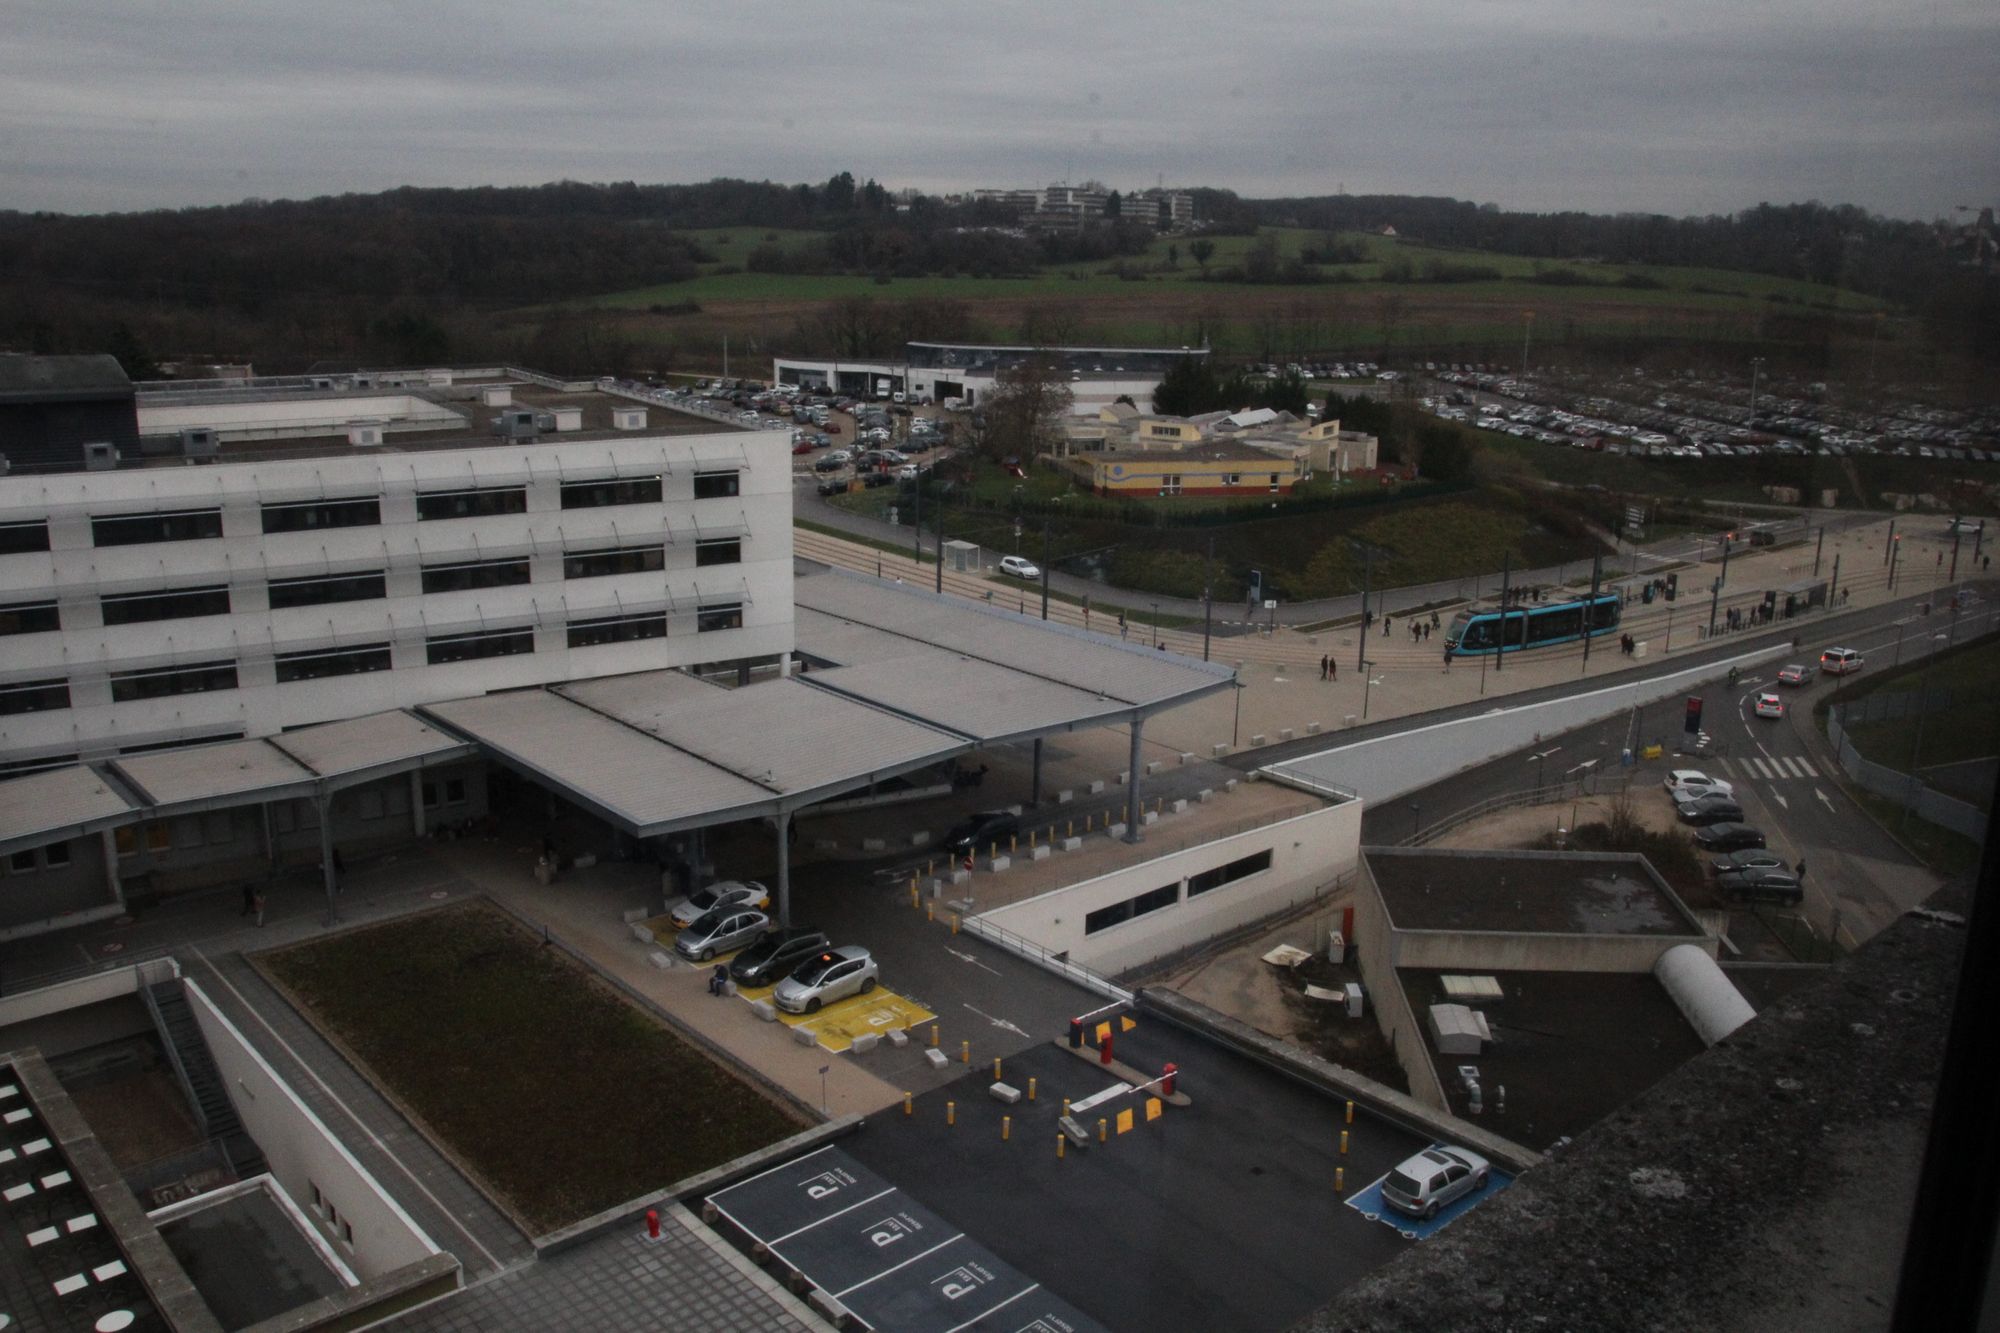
{"type": "Point", "coordinates": [1096, 786]}
{"type": "Point", "coordinates": [921, 838]}
{"type": "Point", "coordinates": [936, 1057]}
{"type": "Point", "coordinates": [1149, 817]}
{"type": "Point", "coordinates": [641, 932]}
{"type": "Point", "coordinates": [1065, 796]}
{"type": "Point", "coordinates": [804, 1037]}
{"type": "Point", "coordinates": [1114, 830]}
{"type": "Point", "coordinates": [1039, 852]}
{"type": "Point", "coordinates": [1178, 807]}
{"type": "Point", "coordinates": [1124, 777]}
{"type": "Point", "coordinates": [586, 861]}
{"type": "Point", "coordinates": [1069, 844]}
{"type": "Point", "coordinates": [1004, 1092]}
{"type": "Point", "coordinates": [1230, 785]}
{"type": "Point", "coordinates": [1312, 728]}
{"type": "Point", "coordinates": [765, 1010]}
{"type": "Point", "coordinates": [874, 845]}
{"type": "Point", "coordinates": [1152, 766]}
{"type": "Point", "coordinates": [1257, 740]}
{"type": "Point", "coordinates": [1205, 795]}
{"type": "Point", "coordinates": [1350, 719]}
{"type": "Point", "coordinates": [1286, 734]}
{"type": "Point", "coordinates": [663, 961]}
{"type": "Point", "coordinates": [998, 863]}
{"type": "Point", "coordinates": [898, 1038]}
{"type": "Point", "coordinates": [632, 914]}
{"type": "Point", "coordinates": [865, 1043]}
{"type": "Point", "coordinates": [825, 845]}
{"type": "Point", "coordinates": [1187, 757]}
{"type": "Point", "coordinates": [961, 876]}
{"type": "Point", "coordinates": [1217, 750]}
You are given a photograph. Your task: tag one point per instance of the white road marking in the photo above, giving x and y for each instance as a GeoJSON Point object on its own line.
{"type": "Point", "coordinates": [1781, 800]}
{"type": "Point", "coordinates": [1761, 750]}
{"type": "Point", "coordinates": [968, 958]}
{"type": "Point", "coordinates": [1806, 764]}
{"type": "Point", "coordinates": [999, 1022]}
{"type": "Point", "coordinates": [1824, 797]}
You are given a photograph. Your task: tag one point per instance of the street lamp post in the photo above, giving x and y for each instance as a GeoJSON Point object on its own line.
{"type": "Point", "coordinates": [1156, 624]}
{"type": "Point", "coordinates": [1756, 367]}
{"type": "Point", "coordinates": [1366, 682]}
{"type": "Point", "coordinates": [1538, 760]}
{"type": "Point", "coordinates": [1416, 820]}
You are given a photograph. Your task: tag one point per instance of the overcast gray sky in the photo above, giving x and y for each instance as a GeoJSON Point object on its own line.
{"type": "Point", "coordinates": [1692, 106]}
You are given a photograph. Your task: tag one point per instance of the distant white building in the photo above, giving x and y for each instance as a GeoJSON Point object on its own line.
{"type": "Point", "coordinates": [935, 372]}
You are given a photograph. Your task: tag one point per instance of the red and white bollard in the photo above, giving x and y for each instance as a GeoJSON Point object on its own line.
{"type": "Point", "coordinates": [1104, 1050]}
{"type": "Point", "coordinates": [1167, 1077]}
{"type": "Point", "coordinates": [652, 1224]}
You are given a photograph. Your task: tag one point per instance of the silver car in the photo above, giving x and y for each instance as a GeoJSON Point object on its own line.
{"type": "Point", "coordinates": [1435, 1177]}
{"type": "Point", "coordinates": [831, 974]}
{"type": "Point", "coordinates": [720, 897]}
{"type": "Point", "coordinates": [720, 932]}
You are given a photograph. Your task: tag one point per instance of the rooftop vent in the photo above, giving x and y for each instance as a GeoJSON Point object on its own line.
{"type": "Point", "coordinates": [100, 456]}
{"type": "Point", "coordinates": [628, 418]}
{"type": "Point", "coordinates": [200, 442]}
{"type": "Point", "coordinates": [499, 396]}
{"type": "Point", "coordinates": [519, 424]}
{"type": "Point", "coordinates": [364, 432]}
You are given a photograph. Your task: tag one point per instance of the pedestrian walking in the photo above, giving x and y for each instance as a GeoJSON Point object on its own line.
{"type": "Point", "coordinates": [1800, 871]}
{"type": "Point", "coordinates": [1435, 622]}
{"type": "Point", "coordinates": [1324, 662]}
{"type": "Point", "coordinates": [1332, 669]}
{"type": "Point", "coordinates": [1447, 659]}
{"type": "Point", "coordinates": [1123, 628]}
{"type": "Point", "coordinates": [258, 903]}
{"type": "Point", "coordinates": [1385, 627]}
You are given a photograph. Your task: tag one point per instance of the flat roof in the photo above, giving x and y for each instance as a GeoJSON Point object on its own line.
{"type": "Point", "coordinates": [26, 378]}
{"type": "Point", "coordinates": [1208, 451]}
{"type": "Point", "coordinates": [1557, 893]}
{"type": "Point", "coordinates": [1568, 1047]}
{"type": "Point", "coordinates": [358, 743]}
{"type": "Point", "coordinates": [249, 1259]}
{"type": "Point", "coordinates": [204, 772]}
{"type": "Point", "coordinates": [58, 798]}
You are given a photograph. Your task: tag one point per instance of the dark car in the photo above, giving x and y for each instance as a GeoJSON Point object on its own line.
{"type": "Point", "coordinates": [833, 486]}
{"type": "Point", "coordinates": [829, 463]}
{"type": "Point", "coordinates": [980, 831]}
{"type": "Point", "coordinates": [772, 958]}
{"type": "Point", "coordinates": [1728, 837]}
{"type": "Point", "coordinates": [1767, 886]}
{"type": "Point", "coordinates": [874, 479]}
{"type": "Point", "coordinates": [1712, 810]}
{"type": "Point", "coordinates": [1749, 858]}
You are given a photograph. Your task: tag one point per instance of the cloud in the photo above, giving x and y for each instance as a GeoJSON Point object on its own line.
{"type": "Point", "coordinates": [1687, 108]}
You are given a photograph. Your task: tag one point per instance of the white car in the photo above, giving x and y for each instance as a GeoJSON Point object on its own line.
{"type": "Point", "coordinates": [720, 897]}
{"type": "Point", "coordinates": [831, 974]}
{"type": "Point", "coordinates": [1693, 779]}
{"type": "Point", "coordinates": [1770, 705]}
{"type": "Point", "coordinates": [1020, 567]}
{"type": "Point", "coordinates": [1437, 1176]}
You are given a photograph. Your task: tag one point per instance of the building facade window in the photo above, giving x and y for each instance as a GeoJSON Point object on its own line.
{"type": "Point", "coordinates": [617, 560]}
{"type": "Point", "coordinates": [475, 574]}
{"type": "Point", "coordinates": [624, 491]}
{"type": "Point", "coordinates": [182, 525]}
{"type": "Point", "coordinates": [486, 643]}
{"type": "Point", "coordinates": [320, 590]}
{"type": "Point", "coordinates": [1117, 913]}
{"type": "Point", "coordinates": [717, 485]}
{"type": "Point", "coordinates": [20, 538]}
{"type": "Point", "coordinates": [134, 608]}
{"type": "Point", "coordinates": [1170, 485]}
{"type": "Point", "coordinates": [617, 629]}
{"type": "Point", "coordinates": [318, 664]}
{"type": "Point", "coordinates": [1229, 873]}
{"type": "Point", "coordinates": [33, 696]}
{"type": "Point", "coordinates": [484, 502]}
{"type": "Point", "coordinates": [29, 618]}
{"type": "Point", "coordinates": [314, 515]}
{"type": "Point", "coordinates": [719, 551]}
{"type": "Point", "coordinates": [130, 686]}
{"type": "Point", "coordinates": [1232, 479]}
{"type": "Point", "coordinates": [722, 615]}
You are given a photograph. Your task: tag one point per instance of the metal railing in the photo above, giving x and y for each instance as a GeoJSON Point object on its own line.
{"type": "Point", "coordinates": [1550, 794]}
{"type": "Point", "coordinates": [1042, 956]}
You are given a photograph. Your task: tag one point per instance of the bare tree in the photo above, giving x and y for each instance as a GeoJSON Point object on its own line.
{"type": "Point", "coordinates": [1025, 410]}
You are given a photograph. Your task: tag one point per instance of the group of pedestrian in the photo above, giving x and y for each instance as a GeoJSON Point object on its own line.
{"type": "Point", "coordinates": [1627, 644]}
{"type": "Point", "coordinates": [1420, 631]}
{"type": "Point", "coordinates": [1328, 668]}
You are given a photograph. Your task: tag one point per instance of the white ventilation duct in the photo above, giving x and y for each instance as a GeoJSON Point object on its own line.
{"type": "Point", "coordinates": [1709, 1001]}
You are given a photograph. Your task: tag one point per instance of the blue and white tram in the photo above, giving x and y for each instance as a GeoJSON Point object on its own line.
{"type": "Point", "coordinates": [1493, 630]}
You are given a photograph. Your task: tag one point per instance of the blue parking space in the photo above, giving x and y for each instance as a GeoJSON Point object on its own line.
{"type": "Point", "coordinates": [1370, 1204]}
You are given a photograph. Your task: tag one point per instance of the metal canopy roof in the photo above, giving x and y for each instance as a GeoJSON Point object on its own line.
{"type": "Point", "coordinates": [1142, 678]}
{"type": "Point", "coordinates": [62, 800]}
{"type": "Point", "coordinates": [977, 699]}
{"type": "Point", "coordinates": [360, 744]}
{"type": "Point", "coordinates": [205, 772]}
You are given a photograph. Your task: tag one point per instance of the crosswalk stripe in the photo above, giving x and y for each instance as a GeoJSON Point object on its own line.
{"type": "Point", "coordinates": [1806, 764]}
{"type": "Point", "coordinates": [1756, 767]}
{"type": "Point", "coordinates": [1784, 762]}
{"type": "Point", "coordinates": [1728, 770]}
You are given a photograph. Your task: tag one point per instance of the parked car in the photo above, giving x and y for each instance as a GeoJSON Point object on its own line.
{"type": "Point", "coordinates": [772, 958]}
{"type": "Point", "coordinates": [831, 974]}
{"type": "Point", "coordinates": [874, 479]}
{"type": "Point", "coordinates": [982, 830]}
{"type": "Point", "coordinates": [1435, 1177]}
{"type": "Point", "coordinates": [1728, 837]}
{"type": "Point", "coordinates": [1769, 886]}
{"type": "Point", "coordinates": [1768, 705]}
{"type": "Point", "coordinates": [802, 447]}
{"type": "Point", "coordinates": [1696, 780]}
{"type": "Point", "coordinates": [1020, 567]}
{"type": "Point", "coordinates": [721, 896]}
{"type": "Point", "coordinates": [1840, 661]}
{"type": "Point", "coordinates": [1712, 809]}
{"type": "Point", "coordinates": [720, 932]}
{"type": "Point", "coordinates": [834, 486]}
{"type": "Point", "coordinates": [1748, 858]}
{"type": "Point", "coordinates": [1797, 673]}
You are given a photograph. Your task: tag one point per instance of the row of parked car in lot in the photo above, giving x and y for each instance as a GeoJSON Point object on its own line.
{"type": "Point", "coordinates": [807, 969]}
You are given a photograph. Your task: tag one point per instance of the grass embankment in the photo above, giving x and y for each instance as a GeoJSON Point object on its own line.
{"type": "Point", "coordinates": [563, 1097]}
{"type": "Point", "coordinates": [1968, 729]}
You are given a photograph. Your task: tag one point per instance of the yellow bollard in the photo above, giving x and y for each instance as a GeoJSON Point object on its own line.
{"type": "Point", "coordinates": [951, 1113]}
{"type": "Point", "coordinates": [1340, 1180]}
{"type": "Point", "coordinates": [934, 1034]}
{"type": "Point", "coordinates": [1350, 1113]}
{"type": "Point", "coordinates": [965, 1052]}
{"type": "Point", "coordinates": [1062, 1144]}
{"type": "Point", "coordinates": [930, 911]}
{"type": "Point", "coordinates": [996, 1070]}
{"type": "Point", "coordinates": [992, 849]}
{"type": "Point", "coordinates": [1065, 1107]}
{"type": "Point", "coordinates": [916, 899]}
{"type": "Point", "coordinates": [954, 923]}
{"type": "Point", "coordinates": [1006, 1127]}
{"type": "Point", "coordinates": [1013, 843]}
{"type": "Point", "coordinates": [1103, 1130]}
{"type": "Point", "coordinates": [930, 867]}
{"type": "Point", "coordinates": [1069, 829]}
{"type": "Point", "coordinates": [1031, 1089]}
{"type": "Point", "coordinates": [909, 1103]}
{"type": "Point", "coordinates": [1031, 838]}
{"type": "Point", "coordinates": [1343, 1143]}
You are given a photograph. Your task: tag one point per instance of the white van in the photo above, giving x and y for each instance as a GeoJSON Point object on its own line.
{"type": "Point", "coordinates": [1840, 661]}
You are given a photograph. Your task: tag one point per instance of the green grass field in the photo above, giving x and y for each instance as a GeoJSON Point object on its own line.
{"type": "Point", "coordinates": [1970, 730]}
